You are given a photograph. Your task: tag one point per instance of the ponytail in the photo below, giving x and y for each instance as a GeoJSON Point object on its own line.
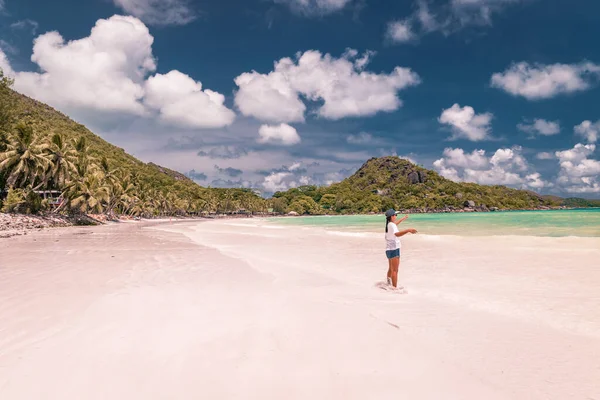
{"type": "Point", "coordinates": [387, 222]}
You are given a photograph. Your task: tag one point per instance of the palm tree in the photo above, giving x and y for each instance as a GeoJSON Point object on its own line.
{"type": "Point", "coordinates": [88, 194]}
{"type": "Point", "coordinates": [109, 174]}
{"type": "Point", "coordinates": [86, 191]}
{"type": "Point", "coordinates": [121, 193]}
{"type": "Point", "coordinates": [24, 160]}
{"type": "Point", "coordinates": [62, 162]}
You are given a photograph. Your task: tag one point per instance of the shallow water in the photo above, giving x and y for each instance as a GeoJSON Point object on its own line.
{"type": "Point", "coordinates": [555, 223]}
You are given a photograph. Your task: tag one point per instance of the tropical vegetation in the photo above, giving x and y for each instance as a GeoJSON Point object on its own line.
{"type": "Point", "coordinates": [50, 163]}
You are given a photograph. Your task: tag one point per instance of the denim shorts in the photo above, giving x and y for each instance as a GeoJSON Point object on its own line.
{"type": "Point", "coordinates": [392, 253]}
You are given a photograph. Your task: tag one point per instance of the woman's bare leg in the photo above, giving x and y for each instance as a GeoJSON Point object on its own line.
{"type": "Point", "coordinates": [395, 265]}
{"type": "Point", "coordinates": [389, 273]}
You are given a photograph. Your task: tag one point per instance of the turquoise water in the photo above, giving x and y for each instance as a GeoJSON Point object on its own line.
{"type": "Point", "coordinates": [555, 223]}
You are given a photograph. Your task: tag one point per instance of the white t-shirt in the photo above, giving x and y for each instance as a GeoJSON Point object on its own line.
{"type": "Point", "coordinates": [392, 242]}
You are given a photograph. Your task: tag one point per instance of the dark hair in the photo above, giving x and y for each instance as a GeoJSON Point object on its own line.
{"type": "Point", "coordinates": [387, 221]}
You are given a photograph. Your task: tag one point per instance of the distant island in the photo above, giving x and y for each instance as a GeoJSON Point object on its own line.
{"type": "Point", "coordinates": [392, 182]}
{"type": "Point", "coordinates": [51, 165]}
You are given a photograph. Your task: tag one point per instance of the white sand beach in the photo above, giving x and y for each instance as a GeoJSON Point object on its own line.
{"type": "Point", "coordinates": [244, 309]}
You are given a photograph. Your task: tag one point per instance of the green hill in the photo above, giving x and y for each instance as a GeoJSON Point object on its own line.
{"type": "Point", "coordinates": [93, 175]}
{"type": "Point", "coordinates": [391, 182]}
{"type": "Point", "coordinates": [576, 202]}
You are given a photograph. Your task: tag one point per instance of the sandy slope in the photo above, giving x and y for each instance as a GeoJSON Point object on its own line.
{"type": "Point", "coordinates": [256, 312]}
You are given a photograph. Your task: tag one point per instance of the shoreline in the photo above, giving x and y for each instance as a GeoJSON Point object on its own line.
{"type": "Point", "coordinates": [12, 225]}
{"type": "Point", "coordinates": [22, 224]}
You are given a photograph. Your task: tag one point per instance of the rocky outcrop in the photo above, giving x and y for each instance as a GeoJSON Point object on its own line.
{"type": "Point", "coordinates": [20, 224]}
{"type": "Point", "coordinates": [469, 204]}
{"type": "Point", "coordinates": [415, 177]}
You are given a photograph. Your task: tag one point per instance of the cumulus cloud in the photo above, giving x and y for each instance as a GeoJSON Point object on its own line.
{"type": "Point", "coordinates": [506, 166]}
{"type": "Point", "coordinates": [104, 71]}
{"type": "Point", "coordinates": [181, 101]}
{"type": "Point", "coordinates": [159, 12]}
{"type": "Point", "coordinates": [536, 82]}
{"type": "Point", "coordinates": [589, 131]}
{"type": "Point", "coordinates": [301, 173]}
{"type": "Point", "coordinates": [268, 97]}
{"type": "Point", "coordinates": [5, 64]}
{"type": "Point", "coordinates": [107, 71]}
{"type": "Point", "coordinates": [466, 124]}
{"type": "Point", "coordinates": [278, 134]}
{"type": "Point", "coordinates": [343, 86]}
{"type": "Point", "coordinates": [400, 31]}
{"type": "Point", "coordinates": [315, 7]}
{"type": "Point", "coordinates": [277, 182]}
{"type": "Point", "coordinates": [540, 127]}
{"type": "Point", "coordinates": [579, 173]}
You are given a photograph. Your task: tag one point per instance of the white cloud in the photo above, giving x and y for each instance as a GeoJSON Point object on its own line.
{"type": "Point", "coordinates": [457, 158]}
{"type": "Point", "coordinates": [466, 124]}
{"type": "Point", "coordinates": [279, 134]}
{"type": "Point", "coordinates": [506, 166]}
{"type": "Point", "coordinates": [315, 7]}
{"type": "Point", "coordinates": [409, 159]}
{"type": "Point", "coordinates": [577, 154]}
{"type": "Point", "coordinates": [588, 130]}
{"type": "Point", "coordinates": [104, 71]}
{"type": "Point", "coordinates": [305, 180]}
{"type": "Point", "coordinates": [427, 20]}
{"type": "Point", "coordinates": [361, 138]}
{"type": "Point", "coordinates": [535, 82]}
{"type": "Point", "coordinates": [345, 89]}
{"type": "Point", "coordinates": [541, 126]}
{"type": "Point", "coordinates": [159, 12]}
{"type": "Point", "coordinates": [400, 31]}
{"type": "Point", "coordinates": [268, 97]}
{"type": "Point", "coordinates": [182, 101]}
{"type": "Point", "coordinates": [295, 166]}
{"type": "Point", "coordinates": [544, 156]}
{"type": "Point", "coordinates": [578, 173]}
{"type": "Point", "coordinates": [277, 182]}
{"type": "Point", "coordinates": [5, 64]}
{"type": "Point", "coordinates": [107, 72]}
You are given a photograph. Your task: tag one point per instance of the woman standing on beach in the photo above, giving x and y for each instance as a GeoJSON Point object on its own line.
{"type": "Point", "coordinates": [392, 244]}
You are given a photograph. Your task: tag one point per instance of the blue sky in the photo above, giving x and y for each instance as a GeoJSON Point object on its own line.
{"type": "Point", "coordinates": [272, 94]}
